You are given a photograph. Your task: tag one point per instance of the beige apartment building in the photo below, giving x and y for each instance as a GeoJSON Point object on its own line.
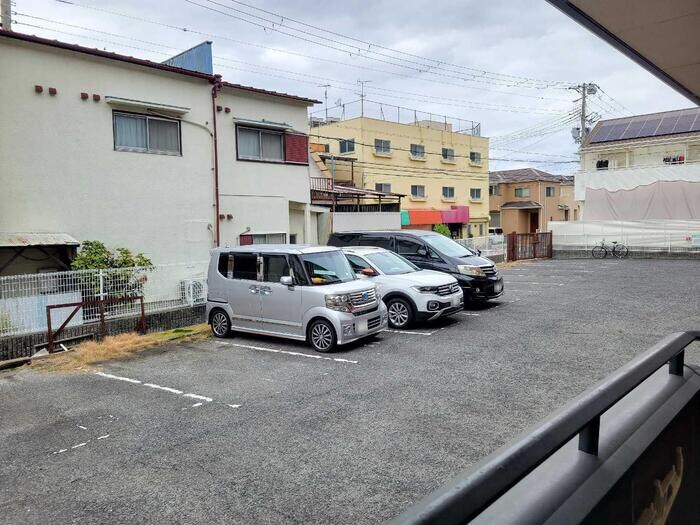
{"type": "Point", "coordinates": [443, 172]}
{"type": "Point", "coordinates": [525, 200]}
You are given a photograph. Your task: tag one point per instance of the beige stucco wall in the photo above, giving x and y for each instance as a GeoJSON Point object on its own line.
{"type": "Point", "coordinates": [401, 170]}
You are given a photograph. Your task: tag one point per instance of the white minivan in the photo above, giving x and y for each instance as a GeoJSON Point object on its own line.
{"type": "Point", "coordinates": [410, 294]}
{"type": "Point", "coordinates": [307, 293]}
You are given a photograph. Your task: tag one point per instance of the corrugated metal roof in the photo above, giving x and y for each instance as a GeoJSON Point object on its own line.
{"type": "Point", "coordinates": [22, 239]}
{"type": "Point", "coordinates": [524, 205]}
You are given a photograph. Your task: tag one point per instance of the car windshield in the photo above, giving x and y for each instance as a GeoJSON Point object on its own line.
{"type": "Point", "coordinates": [328, 268]}
{"type": "Point", "coordinates": [390, 263]}
{"type": "Point", "coordinates": [447, 246]}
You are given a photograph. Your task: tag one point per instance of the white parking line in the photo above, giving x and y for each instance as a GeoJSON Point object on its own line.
{"type": "Point", "coordinates": [288, 352]}
{"type": "Point", "coordinates": [407, 332]}
{"type": "Point", "coordinates": [470, 314]}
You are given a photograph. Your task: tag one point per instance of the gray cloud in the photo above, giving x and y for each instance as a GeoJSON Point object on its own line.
{"type": "Point", "coordinates": [524, 38]}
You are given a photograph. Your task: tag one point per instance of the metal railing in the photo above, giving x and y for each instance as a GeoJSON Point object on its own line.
{"type": "Point", "coordinates": [473, 491]}
{"type": "Point", "coordinates": [24, 298]}
{"type": "Point", "coordinates": [321, 184]}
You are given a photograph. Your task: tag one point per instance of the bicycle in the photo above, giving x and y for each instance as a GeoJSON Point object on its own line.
{"type": "Point", "coordinates": [617, 249]}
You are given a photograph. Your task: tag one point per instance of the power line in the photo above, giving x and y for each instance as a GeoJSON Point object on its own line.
{"type": "Point", "coordinates": [436, 63]}
{"type": "Point", "coordinates": [289, 52]}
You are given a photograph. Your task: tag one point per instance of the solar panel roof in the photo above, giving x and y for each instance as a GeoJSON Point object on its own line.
{"type": "Point", "coordinates": [640, 126]}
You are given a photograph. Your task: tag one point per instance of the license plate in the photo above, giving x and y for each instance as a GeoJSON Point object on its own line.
{"type": "Point", "coordinates": [361, 327]}
{"type": "Point", "coordinates": [498, 287]}
{"type": "Point", "coordinates": [456, 301]}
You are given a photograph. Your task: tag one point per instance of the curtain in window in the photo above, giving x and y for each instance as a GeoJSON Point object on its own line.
{"type": "Point", "coordinates": [272, 146]}
{"type": "Point", "coordinates": [163, 135]}
{"type": "Point", "coordinates": [248, 143]}
{"type": "Point", "coordinates": [130, 131]}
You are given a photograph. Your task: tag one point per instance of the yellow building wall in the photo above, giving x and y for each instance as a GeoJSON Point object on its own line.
{"type": "Point", "coordinates": [400, 169]}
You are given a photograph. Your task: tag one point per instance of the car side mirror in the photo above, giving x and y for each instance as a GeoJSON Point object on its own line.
{"type": "Point", "coordinates": [368, 272]}
{"type": "Point", "coordinates": [287, 280]}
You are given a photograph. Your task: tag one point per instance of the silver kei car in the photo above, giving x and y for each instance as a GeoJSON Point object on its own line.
{"type": "Point", "coordinates": [306, 293]}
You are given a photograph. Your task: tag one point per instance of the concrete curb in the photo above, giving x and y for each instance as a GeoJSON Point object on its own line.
{"type": "Point", "coordinates": [14, 363]}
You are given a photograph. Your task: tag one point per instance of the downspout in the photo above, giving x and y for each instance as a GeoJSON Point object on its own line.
{"type": "Point", "coordinates": [214, 92]}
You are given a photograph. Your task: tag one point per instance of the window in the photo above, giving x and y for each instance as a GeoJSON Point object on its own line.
{"type": "Point", "coordinates": [383, 187]}
{"type": "Point", "coordinates": [263, 238]}
{"type": "Point", "coordinates": [226, 265]}
{"type": "Point", "coordinates": [292, 238]}
{"type": "Point", "coordinates": [602, 164]}
{"type": "Point", "coordinates": [258, 144]}
{"type": "Point", "coordinates": [274, 268]}
{"type": "Point", "coordinates": [475, 194]}
{"type": "Point", "coordinates": [475, 157]}
{"type": "Point", "coordinates": [409, 247]}
{"type": "Point", "coordinates": [448, 192]}
{"type": "Point", "coordinates": [417, 151]}
{"type": "Point", "coordinates": [391, 264]}
{"type": "Point", "coordinates": [418, 192]}
{"type": "Point", "coordinates": [448, 154]}
{"type": "Point", "coordinates": [382, 146]}
{"type": "Point", "coordinates": [379, 242]}
{"type": "Point", "coordinates": [146, 134]}
{"type": "Point", "coordinates": [522, 192]}
{"type": "Point", "coordinates": [328, 267]}
{"type": "Point", "coordinates": [358, 264]}
{"type": "Point", "coordinates": [549, 191]}
{"type": "Point", "coordinates": [245, 266]}
{"type": "Point", "coordinates": [347, 146]}
{"type": "Point", "coordinates": [493, 189]}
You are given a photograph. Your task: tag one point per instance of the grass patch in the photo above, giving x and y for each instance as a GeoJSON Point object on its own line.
{"type": "Point", "coordinates": [116, 347]}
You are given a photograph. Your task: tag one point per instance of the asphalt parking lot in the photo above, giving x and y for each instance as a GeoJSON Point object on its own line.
{"type": "Point", "coordinates": [256, 430]}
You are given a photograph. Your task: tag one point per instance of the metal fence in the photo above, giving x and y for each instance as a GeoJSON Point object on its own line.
{"type": "Point", "coordinates": [490, 246]}
{"type": "Point", "coordinates": [648, 242]}
{"type": "Point", "coordinates": [24, 298]}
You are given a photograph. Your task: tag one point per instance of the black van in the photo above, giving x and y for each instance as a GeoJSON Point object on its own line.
{"type": "Point", "coordinates": [477, 276]}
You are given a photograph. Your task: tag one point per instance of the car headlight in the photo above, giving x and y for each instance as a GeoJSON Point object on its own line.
{"type": "Point", "coordinates": [468, 269]}
{"type": "Point", "coordinates": [339, 302]}
{"type": "Point", "coordinates": [425, 289]}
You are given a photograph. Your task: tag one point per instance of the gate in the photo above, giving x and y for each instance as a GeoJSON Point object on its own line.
{"type": "Point", "coordinates": [529, 246]}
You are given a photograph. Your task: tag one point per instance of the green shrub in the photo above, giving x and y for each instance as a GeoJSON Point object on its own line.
{"type": "Point", "coordinates": [442, 229]}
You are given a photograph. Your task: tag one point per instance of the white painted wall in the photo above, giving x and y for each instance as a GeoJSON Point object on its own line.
{"type": "Point", "coordinates": [366, 221]}
{"type": "Point", "coordinates": [59, 171]}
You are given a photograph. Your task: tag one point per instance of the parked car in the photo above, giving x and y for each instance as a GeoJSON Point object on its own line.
{"type": "Point", "coordinates": [307, 293]}
{"type": "Point", "coordinates": [477, 276]}
{"type": "Point", "coordinates": [410, 294]}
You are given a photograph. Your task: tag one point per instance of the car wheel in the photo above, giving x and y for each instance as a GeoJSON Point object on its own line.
{"type": "Point", "coordinates": [220, 324]}
{"type": "Point", "coordinates": [400, 313]}
{"type": "Point", "coordinates": [322, 336]}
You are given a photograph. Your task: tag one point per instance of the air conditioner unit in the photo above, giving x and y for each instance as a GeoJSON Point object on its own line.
{"type": "Point", "coordinates": [193, 291]}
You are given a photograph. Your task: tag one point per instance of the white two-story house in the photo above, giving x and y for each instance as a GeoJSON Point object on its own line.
{"type": "Point", "coordinates": [159, 159]}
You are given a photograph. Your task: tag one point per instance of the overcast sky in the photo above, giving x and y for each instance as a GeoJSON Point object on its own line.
{"type": "Point", "coordinates": [464, 39]}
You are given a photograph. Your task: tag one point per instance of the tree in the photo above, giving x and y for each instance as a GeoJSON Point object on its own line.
{"type": "Point", "coordinates": [94, 255]}
{"type": "Point", "coordinates": [442, 229]}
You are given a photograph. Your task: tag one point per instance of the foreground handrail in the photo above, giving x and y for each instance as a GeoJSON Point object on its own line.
{"type": "Point", "coordinates": [476, 488]}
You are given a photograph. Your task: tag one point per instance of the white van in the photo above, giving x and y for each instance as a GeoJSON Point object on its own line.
{"type": "Point", "coordinates": [306, 293]}
{"type": "Point", "coordinates": [410, 294]}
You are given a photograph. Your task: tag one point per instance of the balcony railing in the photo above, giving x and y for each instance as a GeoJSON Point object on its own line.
{"type": "Point", "coordinates": [321, 184]}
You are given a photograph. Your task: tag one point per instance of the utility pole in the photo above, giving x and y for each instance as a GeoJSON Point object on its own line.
{"type": "Point", "coordinates": [362, 96]}
{"type": "Point", "coordinates": [586, 88]}
{"type": "Point", "coordinates": [6, 14]}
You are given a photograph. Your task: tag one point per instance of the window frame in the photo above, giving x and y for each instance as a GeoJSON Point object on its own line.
{"type": "Point", "coordinates": [418, 147]}
{"type": "Point", "coordinates": [382, 151]}
{"type": "Point", "coordinates": [547, 192]}
{"type": "Point", "coordinates": [524, 189]}
{"type": "Point", "coordinates": [418, 186]}
{"type": "Point", "coordinates": [263, 266]}
{"type": "Point", "coordinates": [382, 190]}
{"type": "Point", "coordinates": [449, 197]}
{"type": "Point", "coordinates": [343, 142]}
{"type": "Point", "coordinates": [146, 118]}
{"type": "Point", "coordinates": [475, 157]}
{"type": "Point", "coordinates": [449, 157]}
{"type": "Point", "coordinates": [472, 197]}
{"type": "Point", "coordinates": [260, 131]}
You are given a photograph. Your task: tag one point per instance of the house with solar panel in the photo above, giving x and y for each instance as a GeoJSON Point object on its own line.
{"type": "Point", "coordinates": [642, 168]}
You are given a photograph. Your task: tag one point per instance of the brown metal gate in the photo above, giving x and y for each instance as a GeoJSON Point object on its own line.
{"type": "Point", "coordinates": [529, 246]}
